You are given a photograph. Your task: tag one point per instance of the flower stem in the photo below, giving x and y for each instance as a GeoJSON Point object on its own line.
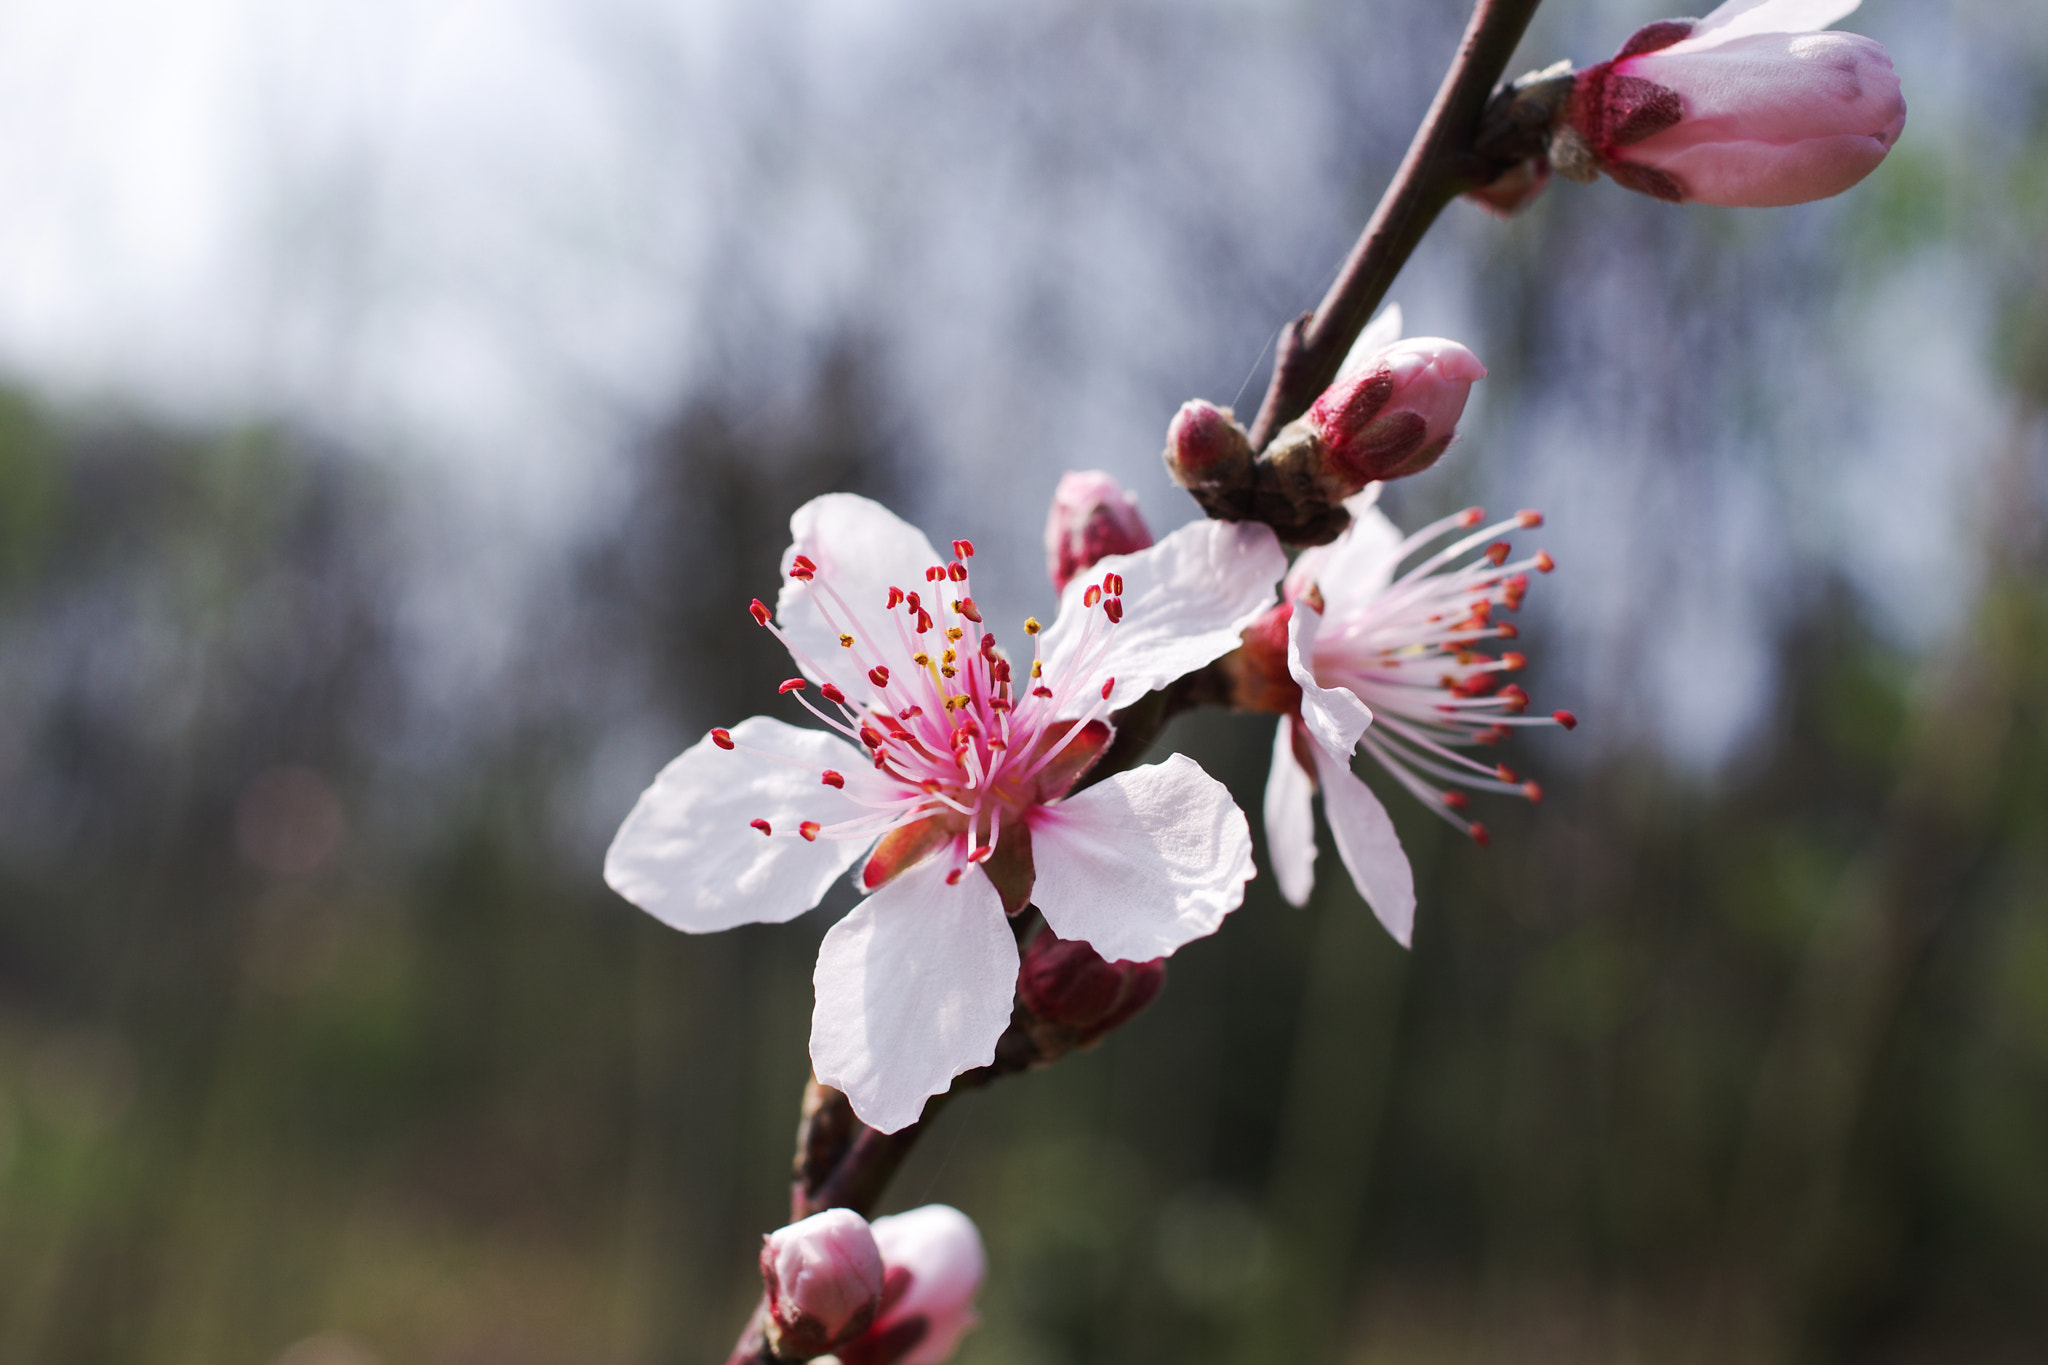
{"type": "Point", "coordinates": [1442, 162]}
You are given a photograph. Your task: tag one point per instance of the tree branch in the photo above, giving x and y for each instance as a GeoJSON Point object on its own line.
{"type": "Point", "coordinates": [1442, 162]}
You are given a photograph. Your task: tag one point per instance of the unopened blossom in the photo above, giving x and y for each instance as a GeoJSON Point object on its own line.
{"type": "Point", "coordinates": [1067, 983]}
{"type": "Point", "coordinates": [1363, 655]}
{"type": "Point", "coordinates": [946, 768]}
{"type": "Point", "coordinates": [1751, 106]}
{"type": "Point", "coordinates": [1091, 517]}
{"type": "Point", "coordinates": [823, 1277]}
{"type": "Point", "coordinates": [934, 1265]}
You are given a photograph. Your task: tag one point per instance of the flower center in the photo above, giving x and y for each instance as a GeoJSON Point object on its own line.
{"type": "Point", "coordinates": [964, 743]}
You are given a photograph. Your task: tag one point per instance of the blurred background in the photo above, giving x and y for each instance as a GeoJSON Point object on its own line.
{"type": "Point", "coordinates": [401, 399]}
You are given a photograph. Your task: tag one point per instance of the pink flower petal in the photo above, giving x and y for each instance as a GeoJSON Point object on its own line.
{"type": "Point", "coordinates": [913, 988]}
{"type": "Point", "coordinates": [1185, 600]}
{"type": "Point", "coordinates": [861, 550]}
{"type": "Point", "coordinates": [1742, 18]}
{"type": "Point", "coordinates": [1334, 716]}
{"type": "Point", "coordinates": [687, 856]}
{"type": "Point", "coordinates": [940, 1248]}
{"type": "Point", "coordinates": [1290, 819]}
{"type": "Point", "coordinates": [1368, 845]}
{"type": "Point", "coordinates": [1142, 862]}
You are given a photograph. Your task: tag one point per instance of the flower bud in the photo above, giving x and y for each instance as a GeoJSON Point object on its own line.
{"type": "Point", "coordinates": [1395, 413]}
{"type": "Point", "coordinates": [1091, 516]}
{"type": "Point", "coordinates": [1064, 981]}
{"type": "Point", "coordinates": [824, 1278]}
{"type": "Point", "coordinates": [1206, 448]}
{"type": "Point", "coordinates": [1748, 107]}
{"type": "Point", "coordinates": [934, 1267]}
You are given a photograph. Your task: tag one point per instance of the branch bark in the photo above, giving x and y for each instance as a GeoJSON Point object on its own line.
{"type": "Point", "coordinates": [1442, 162]}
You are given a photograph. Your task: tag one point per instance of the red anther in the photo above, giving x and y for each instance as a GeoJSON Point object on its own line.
{"type": "Point", "coordinates": [809, 829]}
{"type": "Point", "coordinates": [953, 877]}
{"type": "Point", "coordinates": [895, 596]}
{"type": "Point", "coordinates": [1544, 563]}
{"type": "Point", "coordinates": [1115, 584]}
{"type": "Point", "coordinates": [1498, 552]}
{"type": "Point", "coordinates": [924, 622]}
{"type": "Point", "coordinates": [1091, 596]}
{"type": "Point", "coordinates": [982, 854]}
{"type": "Point", "coordinates": [760, 611]}
{"type": "Point", "coordinates": [870, 737]}
{"type": "Point", "coordinates": [832, 694]}
{"type": "Point", "coordinates": [1108, 686]}
{"type": "Point", "coordinates": [1493, 734]}
{"type": "Point", "coordinates": [1114, 609]}
{"type": "Point", "coordinates": [1566, 719]}
{"type": "Point", "coordinates": [805, 562]}
{"type": "Point", "coordinates": [1504, 773]}
{"type": "Point", "coordinates": [1479, 835]}
{"type": "Point", "coordinates": [834, 779]}
{"type": "Point", "coordinates": [910, 713]}
{"type": "Point", "coordinates": [957, 571]}
{"type": "Point", "coordinates": [1482, 610]}
{"type": "Point", "coordinates": [1508, 631]}
{"type": "Point", "coordinates": [1514, 590]}
{"type": "Point", "coordinates": [931, 575]}
{"type": "Point", "coordinates": [963, 549]}
{"type": "Point", "coordinates": [1530, 518]}
{"type": "Point", "coordinates": [1533, 792]}
{"type": "Point", "coordinates": [1514, 662]}
{"type": "Point", "coordinates": [987, 645]}
{"type": "Point", "coordinates": [1471, 516]}
{"type": "Point", "coordinates": [999, 669]}
{"type": "Point", "coordinates": [879, 676]}
{"type": "Point", "coordinates": [911, 600]}
{"type": "Point", "coordinates": [1478, 685]}
{"type": "Point", "coordinates": [722, 738]}
{"type": "Point", "coordinates": [761, 825]}
{"type": "Point", "coordinates": [1517, 700]}
{"type": "Point", "coordinates": [1041, 691]}
{"type": "Point", "coordinates": [793, 685]}
{"type": "Point", "coordinates": [1456, 800]}
{"type": "Point", "coordinates": [969, 610]}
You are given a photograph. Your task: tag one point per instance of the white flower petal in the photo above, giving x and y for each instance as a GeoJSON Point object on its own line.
{"type": "Point", "coordinates": [1142, 862]}
{"type": "Point", "coordinates": [941, 1249]}
{"type": "Point", "coordinates": [1354, 568]}
{"type": "Point", "coordinates": [862, 549]}
{"type": "Point", "coordinates": [1335, 717]}
{"type": "Point", "coordinates": [1744, 18]}
{"type": "Point", "coordinates": [1290, 819]}
{"type": "Point", "coordinates": [1382, 332]}
{"type": "Point", "coordinates": [914, 987]}
{"type": "Point", "coordinates": [1186, 600]}
{"type": "Point", "coordinates": [1367, 843]}
{"type": "Point", "coordinates": [686, 855]}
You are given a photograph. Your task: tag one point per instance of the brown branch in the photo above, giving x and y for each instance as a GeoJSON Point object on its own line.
{"type": "Point", "coordinates": [1441, 163]}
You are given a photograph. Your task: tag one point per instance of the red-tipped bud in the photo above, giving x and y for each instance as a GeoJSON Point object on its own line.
{"type": "Point", "coordinates": [1748, 107]}
{"type": "Point", "coordinates": [1064, 981]}
{"type": "Point", "coordinates": [722, 738]}
{"type": "Point", "coordinates": [1205, 446]}
{"type": "Point", "coordinates": [1397, 413]}
{"type": "Point", "coordinates": [1091, 516]}
{"type": "Point", "coordinates": [932, 1267]}
{"type": "Point", "coordinates": [824, 1278]}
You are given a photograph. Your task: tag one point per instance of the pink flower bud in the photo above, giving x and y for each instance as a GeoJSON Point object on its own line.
{"type": "Point", "coordinates": [1091, 516]}
{"type": "Point", "coordinates": [1395, 413]}
{"type": "Point", "coordinates": [1206, 446]}
{"type": "Point", "coordinates": [1748, 107]}
{"type": "Point", "coordinates": [1065, 981]}
{"type": "Point", "coordinates": [934, 1267]}
{"type": "Point", "coordinates": [824, 1278]}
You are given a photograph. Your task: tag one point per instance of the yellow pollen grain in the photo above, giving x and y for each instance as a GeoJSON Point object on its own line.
{"type": "Point", "coordinates": [950, 671]}
{"type": "Point", "coordinates": [1037, 669]}
{"type": "Point", "coordinates": [1031, 626]}
{"type": "Point", "coordinates": [949, 657]}
{"type": "Point", "coordinates": [921, 660]}
{"type": "Point", "coordinates": [846, 642]}
{"type": "Point", "coordinates": [954, 632]}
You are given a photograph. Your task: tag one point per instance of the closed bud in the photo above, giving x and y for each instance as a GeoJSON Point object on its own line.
{"type": "Point", "coordinates": [824, 1279]}
{"type": "Point", "coordinates": [1206, 448]}
{"type": "Point", "coordinates": [933, 1267]}
{"type": "Point", "coordinates": [1748, 107]}
{"type": "Point", "coordinates": [1066, 982]}
{"type": "Point", "coordinates": [1092, 516]}
{"type": "Point", "coordinates": [1394, 414]}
